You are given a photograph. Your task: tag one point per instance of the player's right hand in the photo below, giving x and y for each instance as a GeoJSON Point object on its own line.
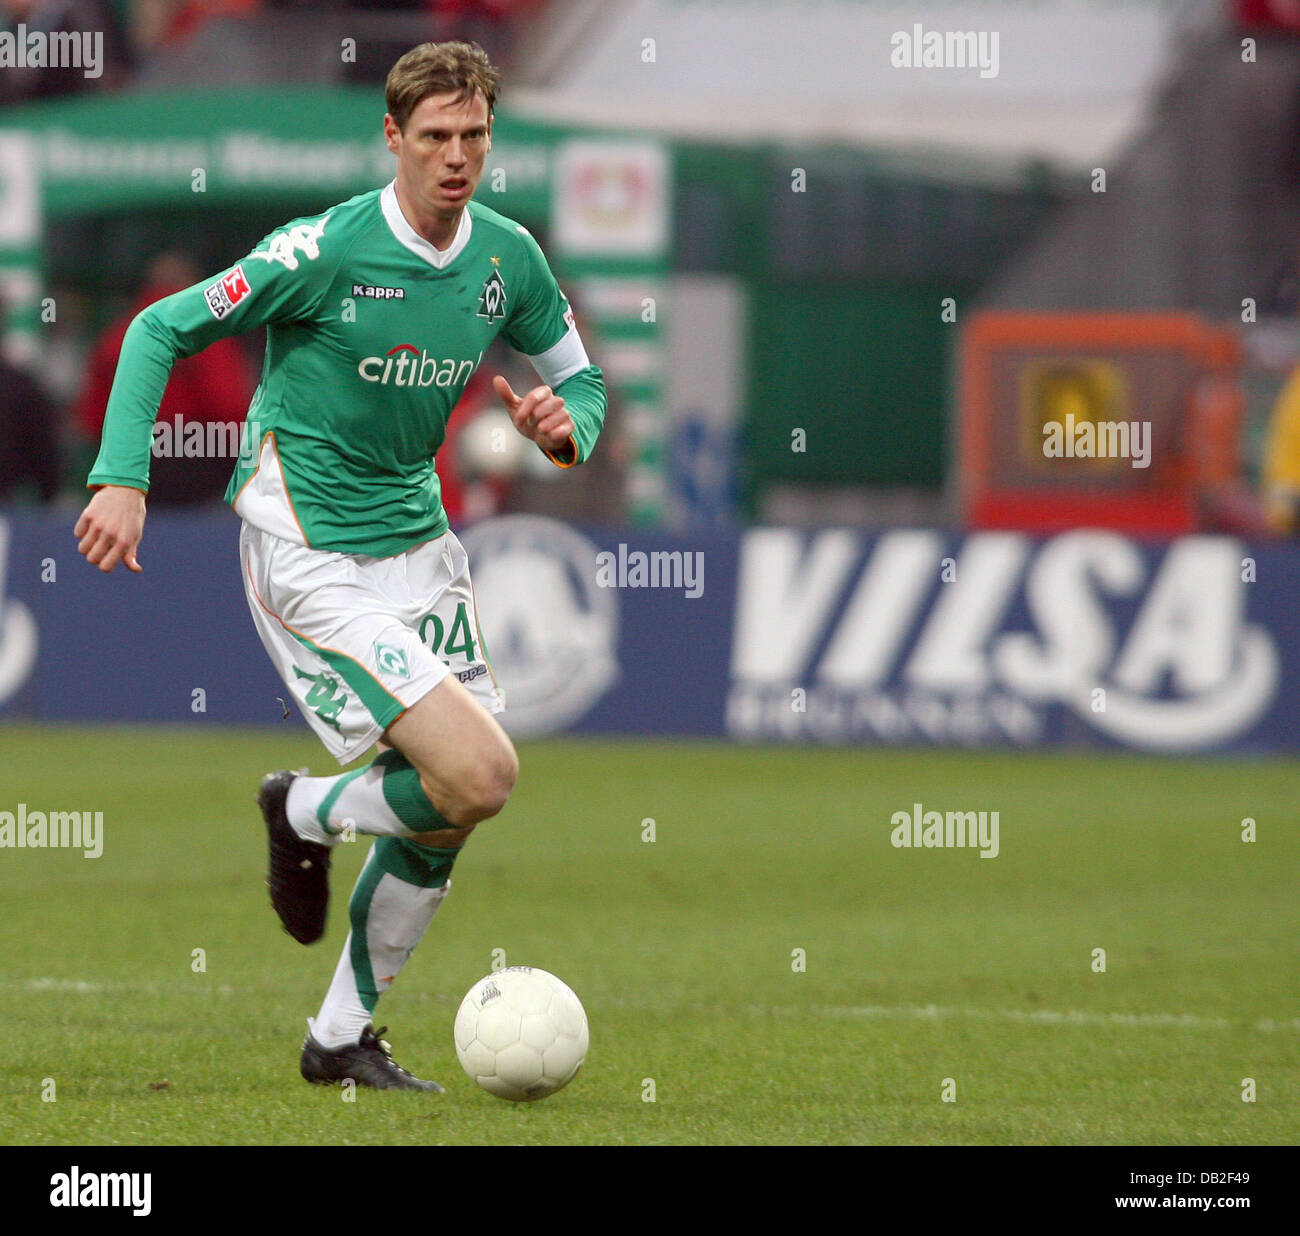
{"type": "Point", "coordinates": [539, 415]}
{"type": "Point", "coordinates": [111, 526]}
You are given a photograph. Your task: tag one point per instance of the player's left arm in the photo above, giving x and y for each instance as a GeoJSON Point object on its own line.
{"type": "Point", "coordinates": [564, 415]}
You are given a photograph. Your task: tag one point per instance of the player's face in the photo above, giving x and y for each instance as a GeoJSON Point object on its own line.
{"type": "Point", "coordinates": [441, 151]}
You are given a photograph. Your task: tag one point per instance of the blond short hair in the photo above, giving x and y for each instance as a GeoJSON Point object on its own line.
{"type": "Point", "coordinates": [439, 68]}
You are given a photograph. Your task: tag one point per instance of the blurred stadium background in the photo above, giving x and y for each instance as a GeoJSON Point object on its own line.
{"type": "Point", "coordinates": [827, 290]}
{"type": "Point", "coordinates": [842, 305]}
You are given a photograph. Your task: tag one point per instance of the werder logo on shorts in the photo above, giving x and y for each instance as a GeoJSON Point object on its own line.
{"type": "Point", "coordinates": [392, 660]}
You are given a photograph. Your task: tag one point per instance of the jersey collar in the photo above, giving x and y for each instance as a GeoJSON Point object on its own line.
{"type": "Point", "coordinates": [409, 238]}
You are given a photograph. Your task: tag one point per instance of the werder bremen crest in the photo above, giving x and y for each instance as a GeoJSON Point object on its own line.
{"type": "Point", "coordinates": [492, 299]}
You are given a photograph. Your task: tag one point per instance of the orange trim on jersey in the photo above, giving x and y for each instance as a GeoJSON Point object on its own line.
{"type": "Point", "coordinates": [560, 463]}
{"type": "Point", "coordinates": [288, 497]}
{"type": "Point", "coordinates": [252, 475]}
{"type": "Point", "coordinates": [399, 716]}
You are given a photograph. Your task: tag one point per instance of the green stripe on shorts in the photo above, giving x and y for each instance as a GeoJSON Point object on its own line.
{"type": "Point", "coordinates": [377, 700]}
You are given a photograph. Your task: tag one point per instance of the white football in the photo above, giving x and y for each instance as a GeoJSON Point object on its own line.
{"type": "Point", "coordinates": [521, 1034]}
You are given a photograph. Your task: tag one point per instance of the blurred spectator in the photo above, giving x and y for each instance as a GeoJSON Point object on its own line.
{"type": "Point", "coordinates": [29, 450]}
{"type": "Point", "coordinates": [485, 10]}
{"type": "Point", "coordinates": [156, 22]}
{"type": "Point", "coordinates": [488, 10]}
{"type": "Point", "coordinates": [65, 346]}
{"type": "Point", "coordinates": [213, 386]}
{"type": "Point", "coordinates": [101, 52]}
{"type": "Point", "coordinates": [1226, 501]}
{"type": "Point", "coordinates": [467, 497]}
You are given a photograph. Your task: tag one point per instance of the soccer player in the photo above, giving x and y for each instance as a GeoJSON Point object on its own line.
{"type": "Point", "coordinates": [377, 312]}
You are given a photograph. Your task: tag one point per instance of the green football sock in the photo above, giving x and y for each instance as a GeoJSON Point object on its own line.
{"type": "Point", "coordinates": [396, 896]}
{"type": "Point", "coordinates": [383, 799]}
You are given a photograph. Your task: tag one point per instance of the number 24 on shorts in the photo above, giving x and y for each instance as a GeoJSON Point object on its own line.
{"type": "Point", "coordinates": [458, 641]}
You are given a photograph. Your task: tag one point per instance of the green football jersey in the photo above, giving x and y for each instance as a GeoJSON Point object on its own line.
{"type": "Point", "coordinates": [372, 334]}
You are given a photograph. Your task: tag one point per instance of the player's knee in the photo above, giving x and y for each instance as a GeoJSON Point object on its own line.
{"type": "Point", "coordinates": [493, 781]}
{"type": "Point", "coordinates": [481, 790]}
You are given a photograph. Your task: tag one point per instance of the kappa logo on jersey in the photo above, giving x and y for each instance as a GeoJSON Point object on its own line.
{"type": "Point", "coordinates": [227, 292]}
{"type": "Point", "coordinates": [378, 293]}
{"type": "Point", "coordinates": [492, 299]}
{"type": "Point", "coordinates": [325, 697]}
{"type": "Point", "coordinates": [284, 245]}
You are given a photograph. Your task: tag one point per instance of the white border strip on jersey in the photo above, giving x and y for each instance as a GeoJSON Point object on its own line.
{"type": "Point", "coordinates": [561, 360]}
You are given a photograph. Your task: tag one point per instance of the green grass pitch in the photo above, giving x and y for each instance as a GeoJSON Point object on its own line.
{"type": "Point", "coordinates": [919, 966]}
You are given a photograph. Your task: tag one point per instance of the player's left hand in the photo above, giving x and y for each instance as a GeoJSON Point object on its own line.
{"type": "Point", "coordinates": [538, 415]}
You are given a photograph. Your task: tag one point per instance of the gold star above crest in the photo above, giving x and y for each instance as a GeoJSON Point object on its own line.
{"type": "Point", "coordinates": [496, 261]}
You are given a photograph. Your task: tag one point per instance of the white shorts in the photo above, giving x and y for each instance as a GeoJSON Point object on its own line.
{"type": "Point", "coordinates": [359, 640]}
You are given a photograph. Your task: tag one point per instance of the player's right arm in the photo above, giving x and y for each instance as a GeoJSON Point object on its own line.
{"type": "Point", "coordinates": [285, 277]}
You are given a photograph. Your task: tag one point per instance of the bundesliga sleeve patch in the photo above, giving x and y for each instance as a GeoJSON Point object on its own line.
{"type": "Point", "coordinates": [227, 292]}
